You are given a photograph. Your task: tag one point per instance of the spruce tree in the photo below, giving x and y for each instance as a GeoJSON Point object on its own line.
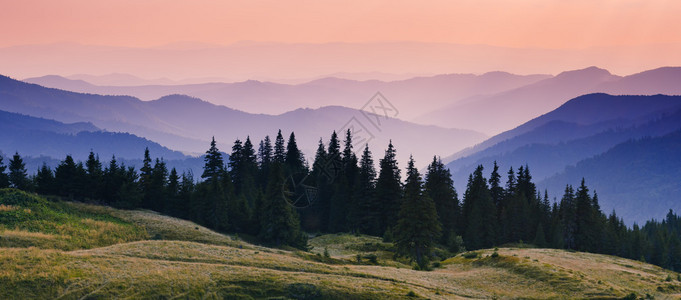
{"type": "Point", "coordinates": [173, 194]}
{"type": "Point", "coordinates": [389, 189]}
{"type": "Point", "coordinates": [316, 217]}
{"type": "Point", "coordinates": [280, 224]}
{"type": "Point", "coordinates": [279, 148]}
{"type": "Point", "coordinates": [368, 210]}
{"type": "Point", "coordinates": [4, 178]}
{"type": "Point", "coordinates": [479, 211]}
{"type": "Point", "coordinates": [439, 186]}
{"type": "Point", "coordinates": [17, 173]}
{"type": "Point", "coordinates": [214, 164]}
{"type": "Point", "coordinates": [568, 215]}
{"type": "Point", "coordinates": [145, 179]}
{"type": "Point", "coordinates": [294, 160]}
{"type": "Point", "coordinates": [418, 227]}
{"type": "Point", "coordinates": [94, 183]}
{"type": "Point", "coordinates": [44, 181]}
{"type": "Point", "coordinates": [157, 188]}
{"type": "Point", "coordinates": [70, 178]}
{"type": "Point", "coordinates": [265, 159]}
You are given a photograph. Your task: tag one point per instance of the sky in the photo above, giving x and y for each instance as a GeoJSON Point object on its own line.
{"type": "Point", "coordinates": [647, 25]}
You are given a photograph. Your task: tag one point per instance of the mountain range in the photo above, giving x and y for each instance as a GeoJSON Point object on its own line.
{"type": "Point", "coordinates": [40, 141]}
{"type": "Point", "coordinates": [578, 130]}
{"type": "Point", "coordinates": [490, 103]}
{"type": "Point", "coordinates": [411, 97]}
{"type": "Point", "coordinates": [499, 112]}
{"type": "Point", "coordinates": [187, 124]}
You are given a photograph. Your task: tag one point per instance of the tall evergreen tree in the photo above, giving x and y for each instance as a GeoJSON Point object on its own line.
{"type": "Point", "coordinates": [4, 178]}
{"type": "Point", "coordinates": [389, 189]}
{"type": "Point", "coordinates": [17, 173]}
{"type": "Point", "coordinates": [280, 224]}
{"type": "Point", "coordinates": [479, 212]}
{"type": "Point", "coordinates": [279, 148]}
{"type": "Point", "coordinates": [368, 211]}
{"type": "Point", "coordinates": [439, 186]}
{"type": "Point", "coordinates": [70, 178]}
{"type": "Point", "coordinates": [145, 179]}
{"type": "Point", "coordinates": [294, 160]}
{"type": "Point", "coordinates": [214, 164]}
{"type": "Point", "coordinates": [568, 215]}
{"type": "Point", "coordinates": [94, 180]}
{"type": "Point", "coordinates": [265, 159]}
{"type": "Point", "coordinates": [418, 227]}
{"type": "Point", "coordinates": [44, 181]}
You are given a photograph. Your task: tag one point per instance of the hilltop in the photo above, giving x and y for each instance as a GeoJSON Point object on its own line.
{"type": "Point", "coordinates": [56, 249]}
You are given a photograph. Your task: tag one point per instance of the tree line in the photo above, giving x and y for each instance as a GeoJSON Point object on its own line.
{"type": "Point", "coordinates": [273, 195]}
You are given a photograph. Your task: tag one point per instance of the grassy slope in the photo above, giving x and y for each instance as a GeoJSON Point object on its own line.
{"type": "Point", "coordinates": [194, 262]}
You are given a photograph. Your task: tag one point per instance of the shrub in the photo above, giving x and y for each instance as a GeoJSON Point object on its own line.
{"type": "Point", "coordinates": [372, 258]}
{"type": "Point", "coordinates": [495, 254]}
{"type": "Point", "coordinates": [470, 255]}
{"type": "Point", "coordinates": [326, 252]}
{"type": "Point", "coordinates": [303, 291]}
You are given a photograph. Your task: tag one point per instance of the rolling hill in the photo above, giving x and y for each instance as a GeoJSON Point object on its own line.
{"type": "Point", "coordinates": [100, 252]}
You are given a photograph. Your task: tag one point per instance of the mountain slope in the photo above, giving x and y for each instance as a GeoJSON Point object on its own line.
{"type": "Point", "coordinates": [185, 123]}
{"type": "Point", "coordinates": [200, 263]}
{"type": "Point", "coordinates": [32, 136]}
{"type": "Point", "coordinates": [637, 178]}
{"type": "Point", "coordinates": [503, 111]}
{"type": "Point", "coordinates": [581, 128]}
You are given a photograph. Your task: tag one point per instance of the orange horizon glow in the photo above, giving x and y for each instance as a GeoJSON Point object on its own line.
{"type": "Point", "coordinates": [552, 24]}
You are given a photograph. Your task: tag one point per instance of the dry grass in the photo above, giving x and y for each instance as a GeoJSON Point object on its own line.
{"type": "Point", "coordinates": [190, 261]}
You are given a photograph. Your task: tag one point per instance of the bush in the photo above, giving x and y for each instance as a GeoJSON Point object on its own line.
{"type": "Point", "coordinates": [455, 244]}
{"type": "Point", "coordinates": [495, 254]}
{"type": "Point", "coordinates": [326, 252]}
{"type": "Point", "coordinates": [303, 291]}
{"type": "Point", "coordinates": [388, 236]}
{"type": "Point", "coordinates": [372, 258]}
{"type": "Point", "coordinates": [411, 294]}
{"type": "Point", "coordinates": [470, 255]}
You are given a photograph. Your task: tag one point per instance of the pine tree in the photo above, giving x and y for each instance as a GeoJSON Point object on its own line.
{"type": "Point", "coordinates": [185, 195]}
{"type": "Point", "coordinates": [145, 179]}
{"type": "Point", "coordinates": [279, 149]}
{"type": "Point", "coordinates": [479, 212]}
{"type": "Point", "coordinates": [496, 191]}
{"type": "Point", "coordinates": [568, 216]}
{"type": "Point", "coordinates": [440, 187]}
{"type": "Point", "coordinates": [94, 177]}
{"type": "Point", "coordinates": [389, 189]}
{"type": "Point", "coordinates": [418, 227]}
{"type": "Point", "coordinates": [70, 178]}
{"type": "Point", "coordinates": [294, 160]}
{"type": "Point", "coordinates": [368, 210]}
{"type": "Point", "coordinates": [4, 178]}
{"type": "Point", "coordinates": [214, 164]}
{"type": "Point", "coordinates": [44, 181]}
{"type": "Point", "coordinates": [265, 159]}
{"type": "Point", "coordinates": [316, 216]}
{"type": "Point", "coordinates": [172, 192]}
{"type": "Point", "coordinates": [280, 224]}
{"type": "Point", "coordinates": [17, 173]}
{"type": "Point", "coordinates": [158, 186]}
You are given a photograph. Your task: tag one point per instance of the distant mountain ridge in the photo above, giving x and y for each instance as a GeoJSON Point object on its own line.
{"type": "Point", "coordinates": [187, 124]}
{"type": "Point", "coordinates": [580, 129]}
{"type": "Point", "coordinates": [32, 136]}
{"type": "Point", "coordinates": [506, 110]}
{"type": "Point", "coordinates": [275, 98]}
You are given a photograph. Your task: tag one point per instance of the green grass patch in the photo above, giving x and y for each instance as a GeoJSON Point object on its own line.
{"type": "Point", "coordinates": [28, 220]}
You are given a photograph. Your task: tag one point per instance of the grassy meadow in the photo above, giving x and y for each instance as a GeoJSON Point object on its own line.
{"type": "Point", "coordinates": [57, 249]}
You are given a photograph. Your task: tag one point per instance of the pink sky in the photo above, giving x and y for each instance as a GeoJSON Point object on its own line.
{"type": "Point", "coordinates": [594, 30]}
{"type": "Point", "coordinates": [523, 23]}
